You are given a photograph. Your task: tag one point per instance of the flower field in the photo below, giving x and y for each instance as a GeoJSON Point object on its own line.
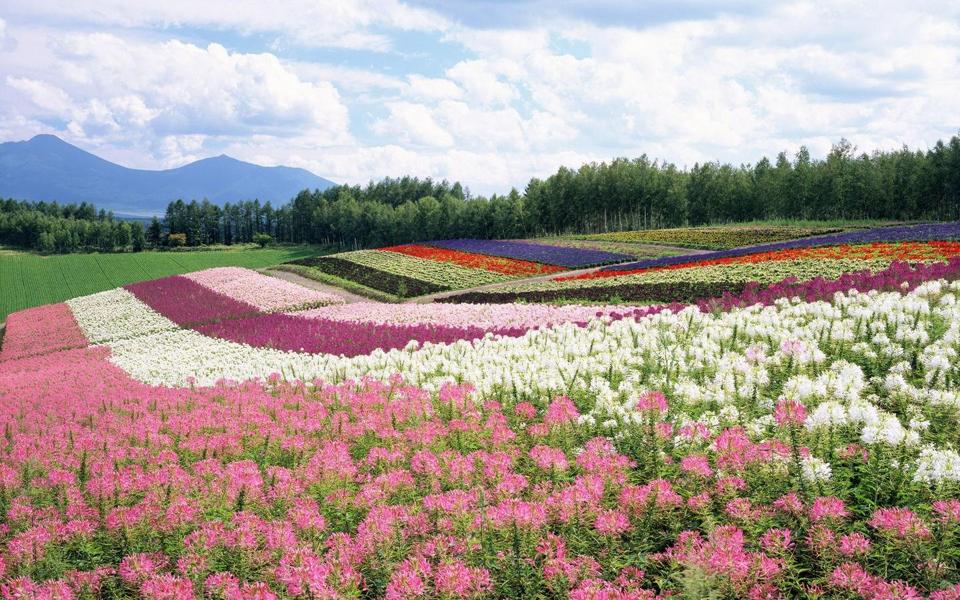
{"type": "Point", "coordinates": [685, 279]}
{"type": "Point", "coordinates": [224, 435]}
{"type": "Point", "coordinates": [572, 258]}
{"type": "Point", "coordinates": [496, 264]}
{"type": "Point", "coordinates": [634, 249]}
{"type": "Point", "coordinates": [713, 238]}
{"type": "Point", "coordinates": [412, 270]}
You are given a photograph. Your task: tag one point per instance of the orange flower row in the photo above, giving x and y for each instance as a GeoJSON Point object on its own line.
{"type": "Point", "coordinates": [495, 264]}
{"type": "Point", "coordinates": [902, 251]}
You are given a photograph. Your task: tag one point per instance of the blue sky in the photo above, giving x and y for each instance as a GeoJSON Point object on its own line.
{"type": "Point", "coordinates": [487, 92]}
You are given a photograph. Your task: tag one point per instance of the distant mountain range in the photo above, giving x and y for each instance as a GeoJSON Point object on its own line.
{"type": "Point", "coordinates": [48, 168]}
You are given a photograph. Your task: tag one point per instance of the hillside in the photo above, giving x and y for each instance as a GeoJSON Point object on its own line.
{"type": "Point", "coordinates": [48, 168]}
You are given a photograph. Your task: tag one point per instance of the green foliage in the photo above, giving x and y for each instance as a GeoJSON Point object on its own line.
{"type": "Point", "coordinates": [176, 240]}
{"type": "Point", "coordinates": [49, 227]}
{"type": "Point", "coordinates": [31, 280]}
{"type": "Point", "coordinates": [263, 239]}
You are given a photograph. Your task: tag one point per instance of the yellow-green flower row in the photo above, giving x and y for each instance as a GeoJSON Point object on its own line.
{"type": "Point", "coordinates": [713, 238]}
{"type": "Point", "coordinates": [768, 272]}
{"type": "Point", "coordinates": [440, 273]}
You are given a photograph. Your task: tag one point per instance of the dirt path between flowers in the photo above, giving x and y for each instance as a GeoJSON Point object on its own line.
{"type": "Point", "coordinates": [347, 297]}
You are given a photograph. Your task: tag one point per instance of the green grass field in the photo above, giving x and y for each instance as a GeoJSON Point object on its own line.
{"type": "Point", "coordinates": [30, 280]}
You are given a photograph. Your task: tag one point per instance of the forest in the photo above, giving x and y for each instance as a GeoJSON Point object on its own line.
{"type": "Point", "coordinates": [623, 194]}
{"type": "Point", "coordinates": [619, 195]}
{"type": "Point", "coordinates": [50, 227]}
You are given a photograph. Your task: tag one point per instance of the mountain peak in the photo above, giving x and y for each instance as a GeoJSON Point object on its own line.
{"type": "Point", "coordinates": [46, 167]}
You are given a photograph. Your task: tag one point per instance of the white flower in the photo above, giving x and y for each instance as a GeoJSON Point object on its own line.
{"type": "Point", "coordinates": [827, 414]}
{"type": "Point", "coordinates": [814, 469]}
{"type": "Point", "coordinates": [937, 466]}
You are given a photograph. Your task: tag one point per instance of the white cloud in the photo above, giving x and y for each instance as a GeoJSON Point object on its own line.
{"type": "Point", "coordinates": [413, 124]}
{"type": "Point", "coordinates": [337, 23]}
{"type": "Point", "coordinates": [47, 97]}
{"type": "Point", "coordinates": [432, 88]}
{"type": "Point", "coordinates": [503, 105]}
{"type": "Point", "coordinates": [482, 82]}
{"type": "Point", "coordinates": [143, 92]}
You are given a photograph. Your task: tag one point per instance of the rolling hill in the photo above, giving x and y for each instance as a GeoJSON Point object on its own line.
{"type": "Point", "coordinates": [48, 168]}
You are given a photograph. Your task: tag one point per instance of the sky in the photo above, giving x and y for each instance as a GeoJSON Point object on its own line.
{"type": "Point", "coordinates": [486, 92]}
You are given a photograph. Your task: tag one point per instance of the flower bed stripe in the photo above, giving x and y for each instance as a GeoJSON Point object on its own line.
{"type": "Point", "coordinates": [324, 336]}
{"type": "Point", "coordinates": [40, 330]}
{"type": "Point", "coordinates": [187, 303]}
{"type": "Point", "coordinates": [728, 295]}
{"type": "Point", "coordinates": [908, 233]}
{"type": "Point", "coordinates": [681, 292]}
{"type": "Point", "coordinates": [714, 238]}
{"type": "Point", "coordinates": [440, 273]}
{"type": "Point", "coordinates": [541, 253]}
{"type": "Point", "coordinates": [496, 264]}
{"type": "Point", "coordinates": [266, 294]}
{"type": "Point", "coordinates": [398, 285]}
{"type": "Point", "coordinates": [905, 251]}
{"type": "Point", "coordinates": [489, 317]}
{"type": "Point", "coordinates": [116, 314]}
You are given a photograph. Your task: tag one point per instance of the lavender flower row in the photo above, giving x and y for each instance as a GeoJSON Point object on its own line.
{"type": "Point", "coordinates": [187, 303]}
{"type": "Point", "coordinates": [326, 336]}
{"type": "Point", "coordinates": [541, 253]}
{"type": "Point", "coordinates": [906, 233]}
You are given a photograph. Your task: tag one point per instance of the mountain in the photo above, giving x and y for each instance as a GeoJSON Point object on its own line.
{"type": "Point", "coordinates": [48, 168]}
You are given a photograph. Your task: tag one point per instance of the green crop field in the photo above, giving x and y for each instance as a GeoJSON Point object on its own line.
{"type": "Point", "coordinates": [30, 280]}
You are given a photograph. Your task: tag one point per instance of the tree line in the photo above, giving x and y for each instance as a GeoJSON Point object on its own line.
{"type": "Point", "coordinates": [622, 194]}
{"type": "Point", "coordinates": [619, 195]}
{"type": "Point", "coordinates": [62, 228]}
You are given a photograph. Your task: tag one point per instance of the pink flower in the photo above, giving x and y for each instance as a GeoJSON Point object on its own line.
{"type": "Point", "coordinates": [777, 541]}
{"type": "Point", "coordinates": [652, 402]}
{"type": "Point", "coordinates": [408, 580]}
{"type": "Point", "coordinates": [854, 544]}
{"type": "Point", "coordinates": [789, 503]}
{"type": "Point", "coordinates": [561, 411]}
{"type": "Point", "coordinates": [900, 523]}
{"type": "Point", "coordinates": [460, 581]}
{"type": "Point", "coordinates": [790, 412]}
{"type": "Point", "coordinates": [947, 511]}
{"type": "Point", "coordinates": [167, 587]}
{"type": "Point", "coordinates": [851, 577]}
{"type": "Point", "coordinates": [821, 539]}
{"type": "Point", "coordinates": [827, 507]}
{"type": "Point", "coordinates": [137, 568]}
{"type": "Point", "coordinates": [548, 458]}
{"type": "Point", "coordinates": [696, 464]}
{"type": "Point", "coordinates": [526, 411]}
{"type": "Point", "coordinates": [950, 593]}
{"type": "Point", "coordinates": [611, 522]}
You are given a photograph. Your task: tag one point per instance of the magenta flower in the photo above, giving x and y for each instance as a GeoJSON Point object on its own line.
{"type": "Point", "coordinates": [696, 464]}
{"type": "Point", "coordinates": [828, 507]}
{"type": "Point", "coordinates": [947, 511]}
{"type": "Point", "coordinates": [611, 522]}
{"type": "Point", "coordinates": [561, 411]}
{"type": "Point", "coordinates": [790, 413]}
{"type": "Point", "coordinates": [900, 523]}
{"type": "Point", "coordinates": [653, 402]}
{"type": "Point", "coordinates": [854, 545]}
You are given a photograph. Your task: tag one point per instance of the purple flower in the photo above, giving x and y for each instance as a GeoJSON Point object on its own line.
{"type": "Point", "coordinates": [541, 253]}
{"type": "Point", "coordinates": [188, 303]}
{"type": "Point", "coordinates": [318, 335]}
